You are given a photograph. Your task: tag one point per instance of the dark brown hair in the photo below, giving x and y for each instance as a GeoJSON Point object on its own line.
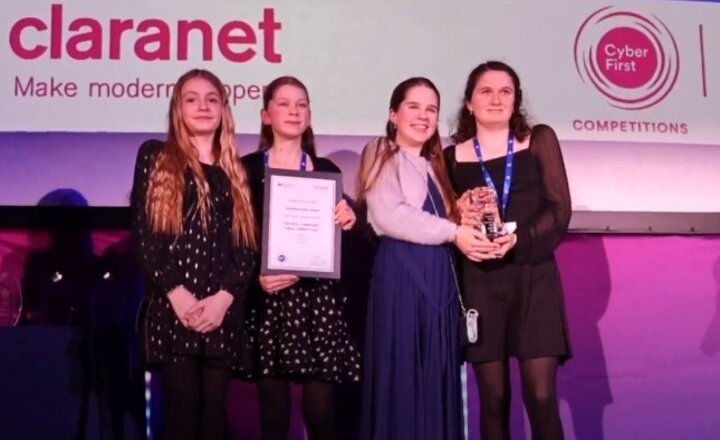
{"type": "Point", "coordinates": [465, 127]}
{"type": "Point", "coordinates": [431, 150]}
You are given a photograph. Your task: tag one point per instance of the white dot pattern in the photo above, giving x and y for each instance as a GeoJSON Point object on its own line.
{"type": "Point", "coordinates": [204, 262]}
{"type": "Point", "coordinates": [300, 332]}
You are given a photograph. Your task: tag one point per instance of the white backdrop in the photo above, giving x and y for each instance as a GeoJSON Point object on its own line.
{"type": "Point", "coordinates": [613, 81]}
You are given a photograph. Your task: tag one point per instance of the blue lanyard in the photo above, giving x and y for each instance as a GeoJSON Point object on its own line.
{"type": "Point", "coordinates": [507, 181]}
{"type": "Point", "coordinates": [303, 160]}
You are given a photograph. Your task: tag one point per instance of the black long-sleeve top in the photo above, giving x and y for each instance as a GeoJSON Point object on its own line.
{"type": "Point", "coordinates": [202, 260]}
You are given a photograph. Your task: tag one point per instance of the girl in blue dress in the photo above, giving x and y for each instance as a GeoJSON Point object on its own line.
{"type": "Point", "coordinates": [412, 357]}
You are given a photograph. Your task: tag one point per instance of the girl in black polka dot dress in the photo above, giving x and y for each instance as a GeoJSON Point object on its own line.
{"type": "Point", "coordinates": [193, 226]}
{"type": "Point", "coordinates": [297, 327]}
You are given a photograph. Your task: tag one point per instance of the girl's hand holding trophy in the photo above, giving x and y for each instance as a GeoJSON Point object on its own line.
{"type": "Point", "coordinates": [479, 209]}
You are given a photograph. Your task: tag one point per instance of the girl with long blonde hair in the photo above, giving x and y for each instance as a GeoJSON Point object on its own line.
{"type": "Point", "coordinates": [194, 230]}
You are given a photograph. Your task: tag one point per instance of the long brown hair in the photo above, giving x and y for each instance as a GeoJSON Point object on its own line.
{"type": "Point", "coordinates": [267, 138]}
{"type": "Point", "coordinates": [465, 126]}
{"type": "Point", "coordinates": [166, 189]}
{"type": "Point", "coordinates": [385, 148]}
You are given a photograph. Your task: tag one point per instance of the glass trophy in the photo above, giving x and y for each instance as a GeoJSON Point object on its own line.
{"type": "Point", "coordinates": [489, 222]}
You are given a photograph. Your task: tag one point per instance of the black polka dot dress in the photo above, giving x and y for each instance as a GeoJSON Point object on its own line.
{"type": "Point", "coordinates": [204, 261]}
{"type": "Point", "coordinates": [299, 333]}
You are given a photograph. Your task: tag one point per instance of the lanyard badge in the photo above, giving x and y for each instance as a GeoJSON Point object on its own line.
{"type": "Point", "coordinates": [489, 222]}
{"type": "Point", "coordinates": [303, 160]}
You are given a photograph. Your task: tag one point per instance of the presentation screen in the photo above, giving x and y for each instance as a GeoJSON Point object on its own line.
{"type": "Point", "coordinates": [632, 89]}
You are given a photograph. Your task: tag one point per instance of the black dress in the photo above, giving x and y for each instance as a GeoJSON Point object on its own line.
{"type": "Point", "coordinates": [202, 261]}
{"type": "Point", "coordinates": [299, 333]}
{"type": "Point", "coordinates": [520, 297]}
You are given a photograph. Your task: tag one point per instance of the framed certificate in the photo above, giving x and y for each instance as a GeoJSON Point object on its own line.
{"type": "Point", "coordinates": [299, 235]}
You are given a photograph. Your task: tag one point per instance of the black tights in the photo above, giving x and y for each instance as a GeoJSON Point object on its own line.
{"type": "Point", "coordinates": [195, 389]}
{"type": "Point", "coordinates": [317, 408]}
{"type": "Point", "coordinates": [539, 394]}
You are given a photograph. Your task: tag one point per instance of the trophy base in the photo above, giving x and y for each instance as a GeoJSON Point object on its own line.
{"type": "Point", "coordinates": [492, 232]}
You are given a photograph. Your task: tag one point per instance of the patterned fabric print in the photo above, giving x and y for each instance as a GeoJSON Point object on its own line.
{"type": "Point", "coordinates": [301, 333]}
{"type": "Point", "coordinates": [204, 261]}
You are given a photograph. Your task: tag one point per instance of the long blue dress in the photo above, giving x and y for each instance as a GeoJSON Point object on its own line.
{"type": "Point", "coordinates": [412, 357]}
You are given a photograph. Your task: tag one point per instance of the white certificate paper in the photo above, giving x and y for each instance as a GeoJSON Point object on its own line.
{"type": "Point", "coordinates": [299, 233]}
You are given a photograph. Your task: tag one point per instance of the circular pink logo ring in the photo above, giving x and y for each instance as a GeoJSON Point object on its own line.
{"type": "Point", "coordinates": [631, 59]}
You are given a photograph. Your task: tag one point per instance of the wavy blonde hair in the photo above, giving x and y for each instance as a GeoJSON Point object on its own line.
{"type": "Point", "coordinates": [166, 188]}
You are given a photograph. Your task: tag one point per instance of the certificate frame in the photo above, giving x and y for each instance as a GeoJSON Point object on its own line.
{"type": "Point", "coordinates": [267, 264]}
